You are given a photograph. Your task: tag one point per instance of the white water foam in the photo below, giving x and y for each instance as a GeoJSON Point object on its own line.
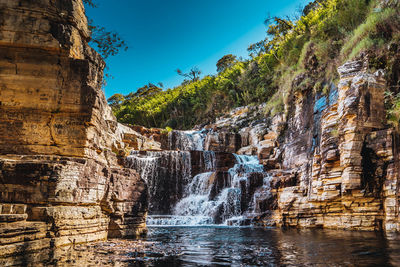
{"type": "Point", "coordinates": [186, 140]}
{"type": "Point", "coordinates": [174, 220]}
{"type": "Point", "coordinates": [197, 207]}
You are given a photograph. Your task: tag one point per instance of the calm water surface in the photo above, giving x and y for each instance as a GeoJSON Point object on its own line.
{"type": "Point", "coordinates": [225, 246]}
{"type": "Point", "coordinates": [215, 246]}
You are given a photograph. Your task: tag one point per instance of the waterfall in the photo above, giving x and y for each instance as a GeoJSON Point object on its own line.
{"type": "Point", "coordinates": [187, 185]}
{"type": "Point", "coordinates": [220, 197]}
{"type": "Point", "coordinates": [186, 140]}
{"type": "Point", "coordinates": [196, 204]}
{"type": "Point", "coordinates": [209, 161]}
{"type": "Point", "coordinates": [244, 167]}
{"type": "Point", "coordinates": [144, 164]}
{"type": "Point", "coordinates": [166, 172]}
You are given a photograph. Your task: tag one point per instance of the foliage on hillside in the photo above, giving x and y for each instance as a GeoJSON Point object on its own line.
{"type": "Point", "coordinates": [296, 55]}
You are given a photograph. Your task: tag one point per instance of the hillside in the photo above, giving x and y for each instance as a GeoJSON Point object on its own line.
{"type": "Point", "coordinates": [297, 55]}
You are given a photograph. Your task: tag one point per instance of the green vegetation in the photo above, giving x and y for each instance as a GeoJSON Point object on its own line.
{"type": "Point", "coordinates": [367, 34]}
{"type": "Point", "coordinates": [297, 55]}
{"type": "Point", "coordinates": [108, 43]}
{"type": "Point", "coordinates": [392, 102]}
{"type": "Point", "coordinates": [225, 62]}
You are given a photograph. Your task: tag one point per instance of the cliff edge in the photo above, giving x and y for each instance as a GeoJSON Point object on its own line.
{"type": "Point", "coordinates": [60, 178]}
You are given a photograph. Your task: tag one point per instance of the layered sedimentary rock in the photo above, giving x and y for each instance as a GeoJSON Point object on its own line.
{"type": "Point", "coordinates": [341, 178]}
{"type": "Point", "coordinates": [335, 163]}
{"type": "Point", "coordinates": [61, 176]}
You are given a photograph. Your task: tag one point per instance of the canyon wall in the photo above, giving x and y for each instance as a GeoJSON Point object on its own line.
{"type": "Point", "coordinates": [342, 156]}
{"type": "Point", "coordinates": [61, 148]}
{"type": "Point", "coordinates": [332, 159]}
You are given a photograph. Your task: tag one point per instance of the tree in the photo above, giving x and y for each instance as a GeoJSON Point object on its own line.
{"type": "Point", "coordinates": [311, 6]}
{"type": "Point", "coordinates": [90, 3]}
{"type": "Point", "coordinates": [109, 43]}
{"type": "Point", "coordinates": [143, 92]}
{"type": "Point", "coordinates": [225, 62]}
{"type": "Point", "coordinates": [277, 28]}
{"type": "Point", "coordinates": [257, 48]}
{"type": "Point", "coordinates": [115, 100]}
{"type": "Point", "coordinates": [148, 90]}
{"type": "Point", "coordinates": [192, 76]}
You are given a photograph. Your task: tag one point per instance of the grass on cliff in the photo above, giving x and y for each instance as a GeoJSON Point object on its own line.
{"type": "Point", "coordinates": [297, 55]}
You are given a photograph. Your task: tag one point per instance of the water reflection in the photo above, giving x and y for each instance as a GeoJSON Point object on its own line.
{"type": "Point", "coordinates": [223, 246]}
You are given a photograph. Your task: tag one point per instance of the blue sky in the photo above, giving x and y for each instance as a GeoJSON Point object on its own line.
{"type": "Point", "coordinates": [164, 35]}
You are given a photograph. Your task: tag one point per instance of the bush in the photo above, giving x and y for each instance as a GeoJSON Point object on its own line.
{"type": "Point", "coordinates": [365, 36]}
{"type": "Point", "coordinates": [392, 102]}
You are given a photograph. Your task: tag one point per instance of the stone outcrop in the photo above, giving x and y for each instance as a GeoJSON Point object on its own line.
{"type": "Point", "coordinates": [61, 148]}
{"type": "Point", "coordinates": [338, 161]}
{"type": "Point", "coordinates": [332, 160]}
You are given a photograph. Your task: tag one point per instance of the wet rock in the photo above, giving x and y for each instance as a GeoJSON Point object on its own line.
{"type": "Point", "coordinates": [166, 174]}
{"type": "Point", "coordinates": [223, 141]}
{"type": "Point", "coordinates": [248, 187]}
{"type": "Point", "coordinates": [221, 180]}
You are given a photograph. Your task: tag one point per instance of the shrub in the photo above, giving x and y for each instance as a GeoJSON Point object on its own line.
{"type": "Point", "coordinates": [392, 102]}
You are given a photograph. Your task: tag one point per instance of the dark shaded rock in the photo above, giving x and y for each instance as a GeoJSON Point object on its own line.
{"type": "Point", "coordinates": [223, 141]}
{"type": "Point", "coordinates": [248, 187]}
{"type": "Point", "coordinates": [221, 181]}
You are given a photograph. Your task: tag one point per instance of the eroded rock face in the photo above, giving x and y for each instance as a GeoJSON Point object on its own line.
{"type": "Point", "coordinates": [223, 140]}
{"type": "Point", "coordinates": [60, 146]}
{"type": "Point", "coordinates": [339, 155]}
{"type": "Point", "coordinates": [332, 160]}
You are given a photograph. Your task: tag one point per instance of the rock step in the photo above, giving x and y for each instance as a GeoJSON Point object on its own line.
{"type": "Point", "coordinates": [13, 217]}
{"type": "Point", "coordinates": [12, 209]}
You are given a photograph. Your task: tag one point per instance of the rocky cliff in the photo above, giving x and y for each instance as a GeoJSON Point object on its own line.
{"type": "Point", "coordinates": [60, 178]}
{"type": "Point", "coordinates": [332, 159]}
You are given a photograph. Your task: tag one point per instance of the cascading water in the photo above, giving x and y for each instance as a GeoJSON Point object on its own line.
{"type": "Point", "coordinates": [188, 211]}
{"type": "Point", "coordinates": [187, 186]}
{"type": "Point", "coordinates": [215, 198]}
{"type": "Point", "coordinates": [145, 164]}
{"type": "Point", "coordinates": [166, 173]}
{"type": "Point", "coordinates": [186, 140]}
{"type": "Point", "coordinates": [208, 160]}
